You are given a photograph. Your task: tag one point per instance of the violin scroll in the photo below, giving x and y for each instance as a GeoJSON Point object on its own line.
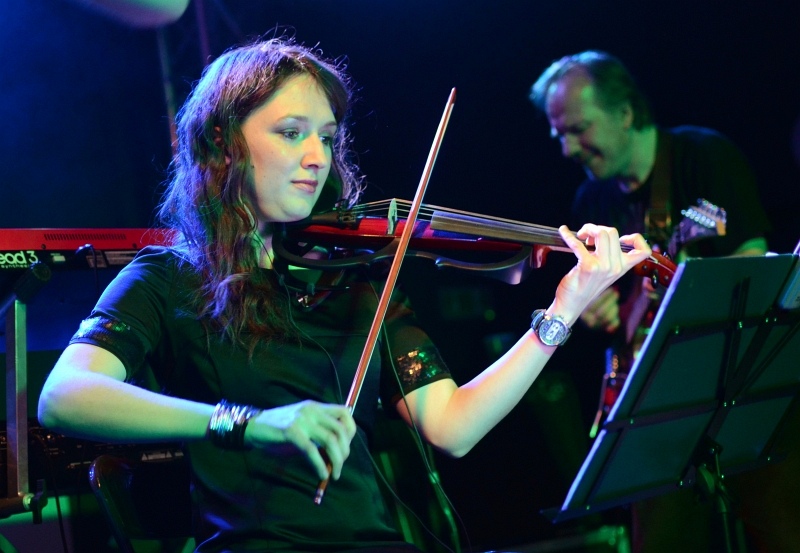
{"type": "Point", "coordinates": [657, 267]}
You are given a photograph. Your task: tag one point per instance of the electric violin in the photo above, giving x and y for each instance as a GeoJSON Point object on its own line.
{"type": "Point", "coordinates": [495, 247]}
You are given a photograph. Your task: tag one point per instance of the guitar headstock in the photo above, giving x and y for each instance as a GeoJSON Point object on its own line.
{"type": "Point", "coordinates": [701, 221]}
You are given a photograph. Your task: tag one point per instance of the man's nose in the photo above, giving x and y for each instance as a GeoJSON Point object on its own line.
{"type": "Point", "coordinates": [569, 146]}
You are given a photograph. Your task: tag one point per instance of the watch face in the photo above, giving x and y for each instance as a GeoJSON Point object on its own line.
{"type": "Point", "coordinates": [553, 332]}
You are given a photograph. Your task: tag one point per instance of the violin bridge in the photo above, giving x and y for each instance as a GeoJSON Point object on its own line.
{"type": "Point", "coordinates": [391, 217]}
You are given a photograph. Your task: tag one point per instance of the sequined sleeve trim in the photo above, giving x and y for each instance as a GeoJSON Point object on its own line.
{"type": "Point", "coordinates": [114, 336]}
{"type": "Point", "coordinates": [420, 367]}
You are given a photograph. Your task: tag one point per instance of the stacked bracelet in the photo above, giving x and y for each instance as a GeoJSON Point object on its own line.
{"type": "Point", "coordinates": [228, 423]}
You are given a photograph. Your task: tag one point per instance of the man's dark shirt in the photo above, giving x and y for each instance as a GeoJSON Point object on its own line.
{"type": "Point", "coordinates": [702, 164]}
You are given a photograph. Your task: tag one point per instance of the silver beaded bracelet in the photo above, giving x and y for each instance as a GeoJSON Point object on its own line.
{"type": "Point", "coordinates": [228, 423]}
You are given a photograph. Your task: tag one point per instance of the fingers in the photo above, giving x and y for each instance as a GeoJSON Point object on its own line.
{"type": "Point", "coordinates": [606, 242]}
{"type": "Point", "coordinates": [602, 258]}
{"type": "Point", "coordinates": [606, 254]}
{"type": "Point", "coordinates": [333, 442]}
{"type": "Point", "coordinates": [573, 241]}
{"type": "Point", "coordinates": [320, 432]}
{"type": "Point", "coordinates": [619, 251]}
{"type": "Point", "coordinates": [635, 240]}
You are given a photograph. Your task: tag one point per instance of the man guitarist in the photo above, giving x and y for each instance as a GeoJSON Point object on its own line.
{"type": "Point", "coordinates": [640, 177]}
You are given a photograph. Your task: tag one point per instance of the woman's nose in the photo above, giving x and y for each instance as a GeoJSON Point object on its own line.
{"type": "Point", "coordinates": [317, 153]}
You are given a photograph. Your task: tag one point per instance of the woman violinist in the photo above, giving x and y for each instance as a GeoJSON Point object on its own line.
{"type": "Point", "coordinates": [251, 379]}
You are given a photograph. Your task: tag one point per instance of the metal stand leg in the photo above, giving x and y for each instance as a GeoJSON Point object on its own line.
{"type": "Point", "coordinates": [19, 497]}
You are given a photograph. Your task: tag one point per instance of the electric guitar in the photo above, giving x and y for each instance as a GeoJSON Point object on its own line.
{"type": "Point", "coordinates": [704, 220]}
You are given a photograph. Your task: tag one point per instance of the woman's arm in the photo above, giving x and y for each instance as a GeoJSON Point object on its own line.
{"type": "Point", "coordinates": [85, 396]}
{"type": "Point", "coordinates": [454, 418]}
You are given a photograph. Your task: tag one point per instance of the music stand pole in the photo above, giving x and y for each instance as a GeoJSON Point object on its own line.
{"type": "Point", "coordinates": [19, 498]}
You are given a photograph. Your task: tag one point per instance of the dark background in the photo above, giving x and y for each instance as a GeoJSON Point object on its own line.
{"type": "Point", "coordinates": [86, 144]}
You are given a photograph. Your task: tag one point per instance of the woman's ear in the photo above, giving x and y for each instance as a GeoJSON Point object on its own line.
{"type": "Point", "coordinates": [219, 143]}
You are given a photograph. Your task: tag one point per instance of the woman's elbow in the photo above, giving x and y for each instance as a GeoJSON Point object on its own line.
{"type": "Point", "coordinates": [456, 453]}
{"type": "Point", "coordinates": [450, 447]}
{"type": "Point", "coordinates": [51, 409]}
{"type": "Point", "coordinates": [62, 404]}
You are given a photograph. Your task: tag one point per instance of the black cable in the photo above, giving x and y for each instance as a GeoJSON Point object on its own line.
{"type": "Point", "coordinates": [282, 282]}
{"type": "Point", "coordinates": [419, 442]}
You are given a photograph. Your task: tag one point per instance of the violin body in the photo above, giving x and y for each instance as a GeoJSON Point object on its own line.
{"type": "Point", "coordinates": [375, 233]}
{"type": "Point", "coordinates": [371, 242]}
{"type": "Point", "coordinates": [498, 248]}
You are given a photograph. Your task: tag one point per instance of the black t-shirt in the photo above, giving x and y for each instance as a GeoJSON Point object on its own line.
{"type": "Point", "coordinates": [256, 500]}
{"type": "Point", "coordinates": [702, 164]}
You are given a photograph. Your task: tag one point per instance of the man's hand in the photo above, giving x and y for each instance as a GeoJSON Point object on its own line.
{"type": "Point", "coordinates": [603, 313]}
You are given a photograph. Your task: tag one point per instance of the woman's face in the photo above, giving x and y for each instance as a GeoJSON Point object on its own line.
{"type": "Point", "coordinates": [290, 139]}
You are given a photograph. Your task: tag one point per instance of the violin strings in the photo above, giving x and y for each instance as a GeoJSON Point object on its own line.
{"type": "Point", "coordinates": [427, 212]}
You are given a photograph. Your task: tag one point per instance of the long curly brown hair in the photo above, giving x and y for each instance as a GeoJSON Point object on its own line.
{"type": "Point", "coordinates": [207, 201]}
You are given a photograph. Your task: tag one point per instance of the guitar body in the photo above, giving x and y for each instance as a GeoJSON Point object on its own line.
{"type": "Point", "coordinates": [702, 221]}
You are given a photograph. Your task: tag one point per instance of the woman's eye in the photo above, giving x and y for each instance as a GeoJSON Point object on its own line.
{"type": "Point", "coordinates": [327, 140]}
{"type": "Point", "coordinates": [291, 134]}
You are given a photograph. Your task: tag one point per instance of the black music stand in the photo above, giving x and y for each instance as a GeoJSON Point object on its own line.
{"type": "Point", "coordinates": [709, 391]}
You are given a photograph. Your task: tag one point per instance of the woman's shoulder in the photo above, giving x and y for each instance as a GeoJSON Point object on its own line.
{"type": "Point", "coordinates": [157, 262]}
{"type": "Point", "coordinates": [163, 255]}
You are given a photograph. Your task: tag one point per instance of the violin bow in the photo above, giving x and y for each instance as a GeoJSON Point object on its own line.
{"type": "Point", "coordinates": [394, 270]}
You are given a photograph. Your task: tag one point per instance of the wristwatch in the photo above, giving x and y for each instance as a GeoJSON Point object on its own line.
{"type": "Point", "coordinates": [552, 330]}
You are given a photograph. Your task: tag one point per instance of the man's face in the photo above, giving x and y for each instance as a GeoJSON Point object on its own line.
{"type": "Point", "coordinates": [596, 137]}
